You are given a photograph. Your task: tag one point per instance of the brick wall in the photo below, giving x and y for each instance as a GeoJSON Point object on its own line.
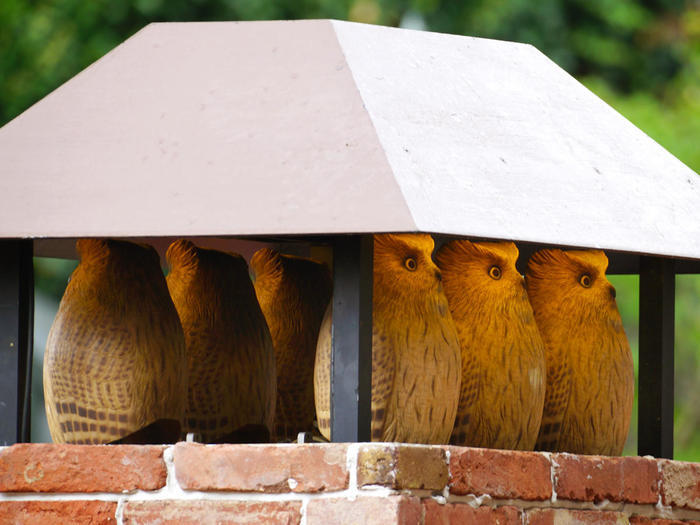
{"type": "Point", "coordinates": [338, 483]}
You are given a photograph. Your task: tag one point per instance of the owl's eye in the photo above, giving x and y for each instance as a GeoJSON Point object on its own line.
{"type": "Point", "coordinates": [585, 280]}
{"type": "Point", "coordinates": [410, 264]}
{"type": "Point", "coordinates": [495, 272]}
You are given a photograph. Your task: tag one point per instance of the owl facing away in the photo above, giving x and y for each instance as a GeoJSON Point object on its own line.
{"type": "Point", "coordinates": [293, 293]}
{"type": "Point", "coordinates": [230, 358]}
{"type": "Point", "coordinates": [114, 364]}
{"type": "Point", "coordinates": [590, 375]}
{"type": "Point", "coordinates": [415, 350]}
{"type": "Point", "coordinates": [503, 366]}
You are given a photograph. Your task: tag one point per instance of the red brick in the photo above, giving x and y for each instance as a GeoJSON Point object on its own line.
{"type": "Point", "coordinates": [58, 512]}
{"type": "Point", "coordinates": [680, 484]}
{"type": "Point", "coordinates": [458, 513]}
{"type": "Point", "coordinates": [200, 512]}
{"type": "Point", "coordinates": [597, 478]}
{"type": "Point", "coordinates": [641, 520]}
{"type": "Point", "coordinates": [641, 479]}
{"type": "Point", "coordinates": [262, 468]}
{"type": "Point", "coordinates": [45, 467]}
{"type": "Point", "coordinates": [500, 473]}
{"type": "Point", "coordinates": [402, 466]}
{"type": "Point", "coordinates": [575, 517]}
{"type": "Point", "coordinates": [390, 510]}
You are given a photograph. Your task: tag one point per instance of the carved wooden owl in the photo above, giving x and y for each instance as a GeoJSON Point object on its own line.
{"type": "Point", "coordinates": [114, 364]}
{"type": "Point", "coordinates": [415, 351]}
{"type": "Point", "coordinates": [230, 358]}
{"type": "Point", "coordinates": [590, 375]}
{"type": "Point", "coordinates": [293, 293]}
{"type": "Point", "coordinates": [503, 366]}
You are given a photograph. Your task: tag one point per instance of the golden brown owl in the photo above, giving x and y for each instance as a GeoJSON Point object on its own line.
{"type": "Point", "coordinates": [114, 364]}
{"type": "Point", "coordinates": [293, 293]}
{"type": "Point", "coordinates": [415, 351]}
{"type": "Point", "coordinates": [503, 366]}
{"type": "Point", "coordinates": [590, 376]}
{"type": "Point", "coordinates": [230, 358]}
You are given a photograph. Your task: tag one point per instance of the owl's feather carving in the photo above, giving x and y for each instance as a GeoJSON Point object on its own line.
{"type": "Point", "coordinates": [230, 358]}
{"type": "Point", "coordinates": [293, 293]}
{"type": "Point", "coordinates": [590, 375]}
{"type": "Point", "coordinates": [503, 366]}
{"type": "Point", "coordinates": [114, 362]}
{"type": "Point", "coordinates": [415, 351]}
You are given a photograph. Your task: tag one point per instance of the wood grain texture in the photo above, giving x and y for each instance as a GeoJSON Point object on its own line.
{"type": "Point", "coordinates": [293, 293]}
{"type": "Point", "coordinates": [415, 350]}
{"type": "Point", "coordinates": [503, 364]}
{"type": "Point", "coordinates": [590, 374]}
{"type": "Point", "coordinates": [114, 360]}
{"type": "Point", "coordinates": [230, 358]}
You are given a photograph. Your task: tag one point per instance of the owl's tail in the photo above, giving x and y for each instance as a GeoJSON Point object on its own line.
{"type": "Point", "coordinates": [548, 437]}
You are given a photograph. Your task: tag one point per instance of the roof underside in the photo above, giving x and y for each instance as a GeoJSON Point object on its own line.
{"type": "Point", "coordinates": [262, 128]}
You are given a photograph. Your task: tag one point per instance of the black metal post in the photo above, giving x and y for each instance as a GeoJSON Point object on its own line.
{"type": "Point", "coordinates": [351, 357]}
{"type": "Point", "coordinates": [16, 339]}
{"type": "Point", "coordinates": [656, 336]}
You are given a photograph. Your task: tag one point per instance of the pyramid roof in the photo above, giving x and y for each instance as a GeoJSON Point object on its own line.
{"type": "Point", "coordinates": [328, 127]}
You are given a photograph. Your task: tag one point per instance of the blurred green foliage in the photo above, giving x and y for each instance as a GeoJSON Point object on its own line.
{"type": "Point", "coordinates": [51, 275]}
{"type": "Point", "coordinates": [641, 56]}
{"type": "Point", "coordinates": [687, 366]}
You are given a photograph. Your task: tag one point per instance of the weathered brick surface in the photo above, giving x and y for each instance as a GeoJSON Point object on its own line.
{"type": "Point", "coordinates": [43, 467]}
{"type": "Point", "coordinates": [640, 480]}
{"type": "Point", "coordinates": [323, 467]}
{"type": "Point", "coordinates": [402, 466]}
{"type": "Point", "coordinates": [460, 513]}
{"type": "Point", "coordinates": [212, 512]}
{"type": "Point", "coordinates": [390, 510]}
{"type": "Point", "coordinates": [574, 517]}
{"type": "Point", "coordinates": [680, 484]}
{"type": "Point", "coordinates": [641, 520]}
{"type": "Point", "coordinates": [58, 512]}
{"type": "Point", "coordinates": [596, 478]}
{"type": "Point", "coordinates": [376, 465]}
{"type": "Point", "coordinates": [262, 468]}
{"type": "Point", "coordinates": [500, 473]}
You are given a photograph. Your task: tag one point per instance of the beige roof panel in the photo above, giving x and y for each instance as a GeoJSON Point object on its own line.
{"type": "Point", "coordinates": [202, 129]}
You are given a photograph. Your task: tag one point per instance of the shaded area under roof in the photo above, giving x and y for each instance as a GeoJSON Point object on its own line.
{"type": "Point", "coordinates": [305, 127]}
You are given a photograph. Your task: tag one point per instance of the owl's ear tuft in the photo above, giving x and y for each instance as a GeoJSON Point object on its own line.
{"type": "Point", "coordinates": [538, 264]}
{"type": "Point", "coordinates": [454, 251]}
{"type": "Point", "coordinates": [389, 242]}
{"type": "Point", "coordinates": [91, 248]}
{"type": "Point", "coordinates": [266, 261]}
{"type": "Point", "coordinates": [236, 261]}
{"type": "Point", "coordinates": [510, 250]}
{"type": "Point", "coordinates": [151, 252]}
{"type": "Point", "coordinates": [594, 259]}
{"type": "Point", "coordinates": [181, 253]}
